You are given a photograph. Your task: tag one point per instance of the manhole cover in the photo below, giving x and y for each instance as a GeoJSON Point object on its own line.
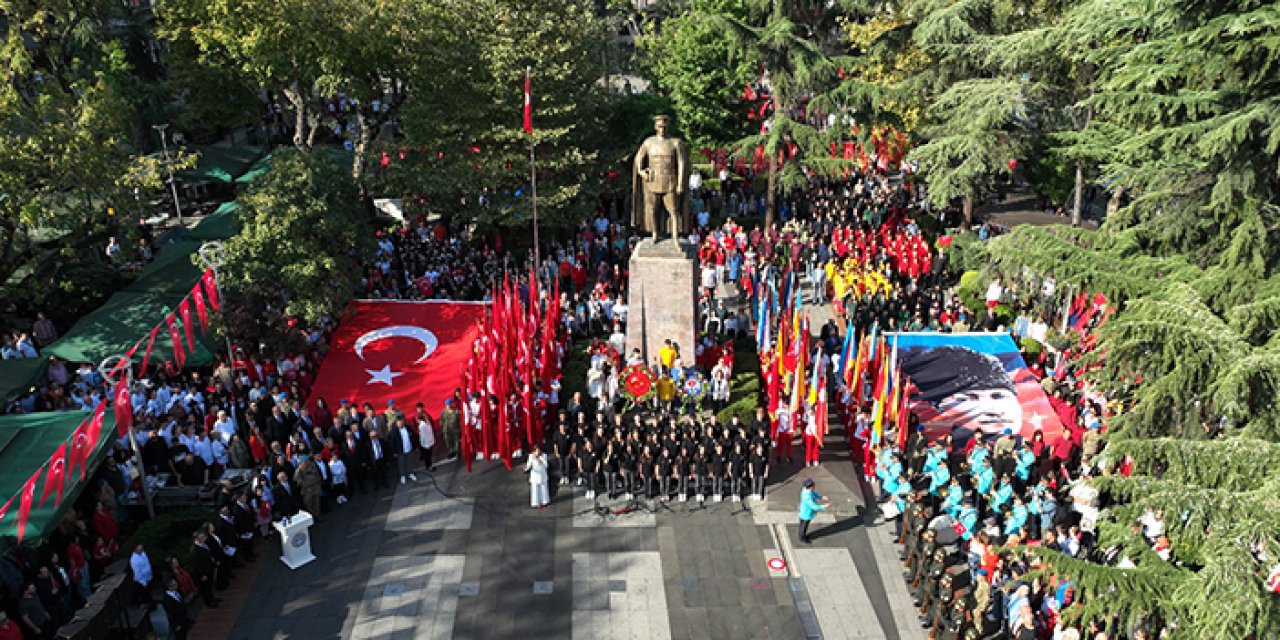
{"type": "Point", "coordinates": [393, 590]}
{"type": "Point", "coordinates": [542, 587]}
{"type": "Point", "coordinates": [617, 586]}
{"type": "Point", "coordinates": [469, 589]}
{"type": "Point", "coordinates": [777, 564]}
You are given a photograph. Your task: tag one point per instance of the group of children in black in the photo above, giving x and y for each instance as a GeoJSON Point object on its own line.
{"type": "Point", "coordinates": [647, 456]}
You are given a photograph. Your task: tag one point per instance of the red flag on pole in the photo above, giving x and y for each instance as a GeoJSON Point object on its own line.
{"type": "Point", "coordinates": [54, 478]}
{"type": "Point", "coordinates": [197, 297]}
{"type": "Point", "coordinates": [184, 311]}
{"type": "Point", "coordinates": [24, 506]}
{"type": "Point", "coordinates": [211, 290]}
{"type": "Point", "coordinates": [123, 408]}
{"type": "Point", "coordinates": [528, 105]}
{"type": "Point", "coordinates": [179, 357]}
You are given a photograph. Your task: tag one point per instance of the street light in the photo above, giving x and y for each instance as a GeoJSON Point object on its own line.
{"type": "Point", "coordinates": [118, 370]}
{"type": "Point", "coordinates": [169, 165]}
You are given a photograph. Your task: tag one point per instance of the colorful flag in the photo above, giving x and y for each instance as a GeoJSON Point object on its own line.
{"type": "Point", "coordinates": [55, 477]}
{"type": "Point", "coordinates": [409, 352]}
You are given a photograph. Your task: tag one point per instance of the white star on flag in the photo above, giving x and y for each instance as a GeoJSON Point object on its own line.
{"type": "Point", "coordinates": [1036, 420]}
{"type": "Point", "coordinates": [384, 375]}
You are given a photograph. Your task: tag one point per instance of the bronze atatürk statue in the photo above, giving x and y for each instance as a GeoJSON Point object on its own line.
{"type": "Point", "coordinates": [662, 174]}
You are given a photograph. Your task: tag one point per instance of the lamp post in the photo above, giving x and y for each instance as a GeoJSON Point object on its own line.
{"type": "Point", "coordinates": [164, 145]}
{"type": "Point", "coordinates": [116, 371]}
{"type": "Point", "coordinates": [211, 256]}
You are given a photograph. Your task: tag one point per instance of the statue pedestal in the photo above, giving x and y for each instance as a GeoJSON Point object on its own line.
{"type": "Point", "coordinates": [662, 299]}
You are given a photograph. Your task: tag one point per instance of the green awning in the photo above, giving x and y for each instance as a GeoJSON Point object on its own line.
{"type": "Point", "coordinates": [127, 319]}
{"type": "Point", "coordinates": [222, 224]}
{"type": "Point", "coordinates": [171, 272]}
{"type": "Point", "coordinates": [27, 442]}
{"type": "Point", "coordinates": [16, 376]}
{"type": "Point", "coordinates": [344, 157]}
{"type": "Point", "coordinates": [221, 164]}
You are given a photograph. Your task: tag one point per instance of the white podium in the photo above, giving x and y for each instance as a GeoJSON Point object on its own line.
{"type": "Point", "coordinates": [295, 540]}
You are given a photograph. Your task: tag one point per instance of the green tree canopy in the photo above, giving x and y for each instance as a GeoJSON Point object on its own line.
{"type": "Point", "coordinates": [299, 253]}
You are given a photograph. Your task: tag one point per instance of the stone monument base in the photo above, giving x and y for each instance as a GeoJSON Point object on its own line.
{"type": "Point", "coordinates": [662, 298]}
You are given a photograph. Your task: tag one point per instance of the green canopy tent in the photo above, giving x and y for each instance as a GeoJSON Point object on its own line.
{"type": "Point", "coordinates": [18, 375]}
{"type": "Point", "coordinates": [26, 444]}
{"type": "Point", "coordinates": [221, 164]}
{"type": "Point", "coordinates": [126, 319]}
{"type": "Point", "coordinates": [222, 224]}
{"type": "Point", "coordinates": [172, 271]}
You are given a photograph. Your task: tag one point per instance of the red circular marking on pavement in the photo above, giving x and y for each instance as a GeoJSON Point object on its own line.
{"type": "Point", "coordinates": [777, 564]}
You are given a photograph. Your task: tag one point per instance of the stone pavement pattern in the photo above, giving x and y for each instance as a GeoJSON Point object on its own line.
{"type": "Point", "coordinates": [470, 559]}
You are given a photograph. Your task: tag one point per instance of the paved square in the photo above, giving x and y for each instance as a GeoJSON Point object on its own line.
{"type": "Point", "coordinates": [619, 595]}
{"type": "Point", "coordinates": [411, 597]}
{"type": "Point", "coordinates": [414, 563]}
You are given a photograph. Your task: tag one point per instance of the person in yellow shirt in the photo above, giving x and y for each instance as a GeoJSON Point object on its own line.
{"type": "Point", "coordinates": [666, 392]}
{"type": "Point", "coordinates": [667, 355]}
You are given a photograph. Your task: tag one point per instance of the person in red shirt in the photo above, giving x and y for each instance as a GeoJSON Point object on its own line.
{"type": "Point", "coordinates": [9, 629]}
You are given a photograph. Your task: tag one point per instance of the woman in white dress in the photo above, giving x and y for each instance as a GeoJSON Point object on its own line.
{"type": "Point", "coordinates": [536, 467]}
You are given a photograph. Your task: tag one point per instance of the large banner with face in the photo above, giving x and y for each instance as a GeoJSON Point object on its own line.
{"type": "Point", "coordinates": [971, 384]}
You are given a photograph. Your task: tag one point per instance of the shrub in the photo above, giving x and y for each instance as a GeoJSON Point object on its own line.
{"type": "Point", "coordinates": [169, 534]}
{"type": "Point", "coordinates": [971, 291]}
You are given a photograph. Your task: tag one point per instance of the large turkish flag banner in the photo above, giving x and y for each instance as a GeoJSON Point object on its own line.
{"type": "Point", "coordinates": [409, 352]}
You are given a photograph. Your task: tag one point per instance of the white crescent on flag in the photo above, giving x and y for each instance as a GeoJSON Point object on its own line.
{"type": "Point", "coordinates": [428, 339]}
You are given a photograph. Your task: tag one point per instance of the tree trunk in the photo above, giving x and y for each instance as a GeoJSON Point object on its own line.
{"type": "Point", "coordinates": [361, 146]}
{"type": "Point", "coordinates": [966, 210]}
{"type": "Point", "coordinates": [771, 197]}
{"type": "Point", "coordinates": [1077, 211]}
{"type": "Point", "coordinates": [1113, 205]}
{"type": "Point", "coordinates": [294, 95]}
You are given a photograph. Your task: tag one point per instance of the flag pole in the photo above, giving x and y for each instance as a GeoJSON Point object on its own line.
{"type": "Point", "coordinates": [533, 177]}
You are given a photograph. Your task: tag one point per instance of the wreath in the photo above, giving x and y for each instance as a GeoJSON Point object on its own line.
{"type": "Point", "coordinates": [694, 387]}
{"type": "Point", "coordinates": [639, 383]}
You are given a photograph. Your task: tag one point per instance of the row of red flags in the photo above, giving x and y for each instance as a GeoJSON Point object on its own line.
{"type": "Point", "coordinates": [203, 295]}
{"type": "Point", "coordinates": [76, 452]}
{"type": "Point", "coordinates": [518, 352]}
{"type": "Point", "coordinates": [70, 456]}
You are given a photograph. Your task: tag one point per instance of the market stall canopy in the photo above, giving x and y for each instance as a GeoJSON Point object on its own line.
{"type": "Point", "coordinates": [222, 224]}
{"type": "Point", "coordinates": [27, 441]}
{"type": "Point", "coordinates": [126, 319]}
{"type": "Point", "coordinates": [18, 375]}
{"type": "Point", "coordinates": [342, 156]}
{"type": "Point", "coordinates": [221, 164]}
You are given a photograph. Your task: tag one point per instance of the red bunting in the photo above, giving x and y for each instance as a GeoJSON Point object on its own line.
{"type": "Point", "coordinates": [211, 290]}
{"type": "Point", "coordinates": [197, 297]}
{"type": "Point", "coordinates": [24, 506]}
{"type": "Point", "coordinates": [123, 409]}
{"type": "Point", "coordinates": [184, 311]}
{"type": "Point", "coordinates": [80, 447]}
{"type": "Point", "coordinates": [179, 356]}
{"type": "Point", "coordinates": [56, 476]}
{"type": "Point", "coordinates": [150, 343]}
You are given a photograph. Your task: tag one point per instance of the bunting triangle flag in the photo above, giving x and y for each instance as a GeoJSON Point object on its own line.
{"type": "Point", "coordinates": [123, 408]}
{"type": "Point", "coordinates": [211, 290]}
{"type": "Point", "coordinates": [184, 311]}
{"type": "Point", "coordinates": [24, 505]}
{"type": "Point", "coordinates": [5, 508]}
{"type": "Point", "coordinates": [151, 342]}
{"type": "Point", "coordinates": [197, 299]}
{"type": "Point", "coordinates": [55, 477]}
{"type": "Point", "coordinates": [179, 357]}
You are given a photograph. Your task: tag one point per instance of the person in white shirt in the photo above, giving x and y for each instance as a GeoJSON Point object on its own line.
{"type": "Point", "coordinates": [782, 441]}
{"type": "Point", "coordinates": [141, 566]}
{"type": "Point", "coordinates": [620, 311]}
{"type": "Point", "coordinates": [536, 467]}
{"type": "Point", "coordinates": [338, 471]}
{"type": "Point", "coordinates": [203, 448]}
{"type": "Point", "coordinates": [618, 339]}
{"type": "Point", "coordinates": [224, 426]}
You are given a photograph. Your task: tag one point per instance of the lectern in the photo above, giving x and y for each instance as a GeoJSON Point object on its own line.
{"type": "Point", "coordinates": [295, 540]}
